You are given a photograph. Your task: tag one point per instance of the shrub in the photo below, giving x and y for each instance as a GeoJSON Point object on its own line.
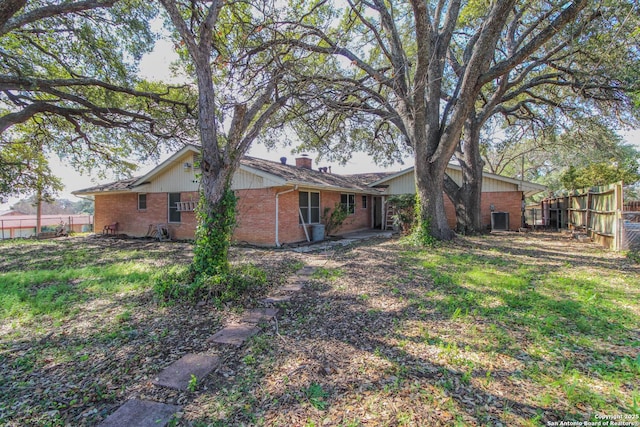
{"type": "Point", "coordinates": [404, 217]}
{"type": "Point", "coordinates": [233, 285]}
{"type": "Point", "coordinates": [334, 220]}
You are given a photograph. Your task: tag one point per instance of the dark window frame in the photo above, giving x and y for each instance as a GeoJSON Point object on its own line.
{"type": "Point", "coordinates": [174, 216]}
{"type": "Point", "coordinates": [348, 202]}
{"type": "Point", "coordinates": [142, 201]}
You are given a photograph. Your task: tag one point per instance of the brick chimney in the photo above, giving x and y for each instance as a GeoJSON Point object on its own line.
{"type": "Point", "coordinates": [303, 162]}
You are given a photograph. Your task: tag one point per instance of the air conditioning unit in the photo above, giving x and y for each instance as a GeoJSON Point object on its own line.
{"type": "Point", "coordinates": [499, 221]}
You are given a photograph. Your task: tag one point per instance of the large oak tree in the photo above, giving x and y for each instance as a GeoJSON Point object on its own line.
{"type": "Point", "coordinates": [68, 84]}
{"type": "Point", "coordinates": [396, 75]}
{"type": "Point", "coordinates": [586, 74]}
{"type": "Point", "coordinates": [241, 83]}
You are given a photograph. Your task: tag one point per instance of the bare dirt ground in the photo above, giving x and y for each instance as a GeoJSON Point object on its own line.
{"type": "Point", "coordinates": [377, 337]}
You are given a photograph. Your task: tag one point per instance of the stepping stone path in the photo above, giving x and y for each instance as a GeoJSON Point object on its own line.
{"type": "Point", "coordinates": [276, 299]}
{"type": "Point", "coordinates": [178, 374]}
{"type": "Point", "coordinates": [259, 315]}
{"type": "Point", "coordinates": [234, 334]}
{"type": "Point", "coordinates": [143, 413]}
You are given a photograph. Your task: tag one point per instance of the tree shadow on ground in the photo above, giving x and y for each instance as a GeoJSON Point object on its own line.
{"type": "Point", "coordinates": [399, 343]}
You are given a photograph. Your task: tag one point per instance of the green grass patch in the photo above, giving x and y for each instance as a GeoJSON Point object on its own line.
{"type": "Point", "coordinates": [331, 274]}
{"type": "Point", "coordinates": [558, 315]}
{"type": "Point", "coordinates": [25, 295]}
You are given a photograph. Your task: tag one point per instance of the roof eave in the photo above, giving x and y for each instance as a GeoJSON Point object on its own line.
{"type": "Point", "coordinates": [390, 177]}
{"type": "Point", "coordinates": [315, 186]}
{"type": "Point", "coordinates": [97, 192]}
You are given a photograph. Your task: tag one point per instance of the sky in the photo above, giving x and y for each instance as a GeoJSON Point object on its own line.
{"type": "Point", "coordinates": [155, 66]}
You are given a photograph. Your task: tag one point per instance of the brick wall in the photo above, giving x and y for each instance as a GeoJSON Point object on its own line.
{"type": "Point", "coordinates": [503, 201]}
{"type": "Point", "coordinates": [123, 209]}
{"type": "Point", "coordinates": [256, 214]}
{"type": "Point", "coordinates": [256, 210]}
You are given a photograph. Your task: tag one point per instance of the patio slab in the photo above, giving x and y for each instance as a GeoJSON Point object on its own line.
{"type": "Point", "coordinates": [141, 413]}
{"type": "Point", "coordinates": [178, 374]}
{"type": "Point", "coordinates": [235, 334]}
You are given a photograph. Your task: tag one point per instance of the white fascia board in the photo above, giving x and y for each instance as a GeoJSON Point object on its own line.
{"type": "Point", "coordinates": [390, 177]}
{"type": "Point", "coordinates": [99, 193]}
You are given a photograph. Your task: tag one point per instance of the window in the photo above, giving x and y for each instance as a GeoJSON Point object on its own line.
{"type": "Point", "coordinates": [142, 202]}
{"type": "Point", "coordinates": [309, 203]}
{"type": "Point", "coordinates": [364, 202]}
{"type": "Point", "coordinates": [348, 203]}
{"type": "Point", "coordinates": [174, 213]}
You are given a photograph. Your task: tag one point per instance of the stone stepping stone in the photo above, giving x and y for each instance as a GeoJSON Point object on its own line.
{"type": "Point", "coordinates": [259, 315]}
{"type": "Point", "coordinates": [306, 271]}
{"type": "Point", "coordinates": [293, 286]}
{"type": "Point", "coordinates": [234, 334]}
{"type": "Point", "coordinates": [178, 374]}
{"type": "Point", "coordinates": [141, 413]}
{"type": "Point", "coordinates": [277, 299]}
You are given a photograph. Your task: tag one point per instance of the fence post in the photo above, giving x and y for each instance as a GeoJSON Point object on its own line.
{"type": "Point", "coordinates": [619, 224]}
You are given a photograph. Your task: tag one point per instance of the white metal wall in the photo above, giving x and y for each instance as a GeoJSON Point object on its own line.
{"type": "Point", "coordinates": [243, 180]}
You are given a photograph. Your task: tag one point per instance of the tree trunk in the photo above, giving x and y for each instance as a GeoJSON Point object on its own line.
{"type": "Point", "coordinates": [467, 198]}
{"type": "Point", "coordinates": [216, 210]}
{"type": "Point", "coordinates": [8, 8]}
{"type": "Point", "coordinates": [429, 189]}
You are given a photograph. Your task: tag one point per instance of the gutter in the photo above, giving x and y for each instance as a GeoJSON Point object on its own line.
{"type": "Point", "coordinates": [295, 187]}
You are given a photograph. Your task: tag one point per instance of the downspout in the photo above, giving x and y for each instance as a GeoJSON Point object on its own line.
{"type": "Point", "coordinates": [295, 187]}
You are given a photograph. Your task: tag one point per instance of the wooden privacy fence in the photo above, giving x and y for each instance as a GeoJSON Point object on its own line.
{"type": "Point", "coordinates": [596, 211]}
{"type": "Point", "coordinates": [630, 226]}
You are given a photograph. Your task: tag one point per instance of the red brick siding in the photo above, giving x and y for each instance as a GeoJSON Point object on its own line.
{"type": "Point", "coordinates": [361, 217]}
{"type": "Point", "coordinates": [123, 209]}
{"type": "Point", "coordinates": [255, 217]}
{"type": "Point", "coordinates": [256, 212]}
{"type": "Point", "coordinates": [503, 201]}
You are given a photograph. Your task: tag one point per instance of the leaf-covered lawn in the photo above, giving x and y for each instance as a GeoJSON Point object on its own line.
{"type": "Point", "coordinates": [82, 330]}
{"type": "Point", "coordinates": [495, 330]}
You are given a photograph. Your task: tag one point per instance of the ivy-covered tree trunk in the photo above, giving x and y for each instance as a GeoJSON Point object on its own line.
{"type": "Point", "coordinates": [430, 213]}
{"type": "Point", "coordinates": [216, 222]}
{"type": "Point", "coordinates": [248, 111]}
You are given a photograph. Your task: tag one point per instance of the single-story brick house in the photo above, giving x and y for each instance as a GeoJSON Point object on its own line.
{"type": "Point", "coordinates": [500, 194]}
{"type": "Point", "coordinates": [278, 203]}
